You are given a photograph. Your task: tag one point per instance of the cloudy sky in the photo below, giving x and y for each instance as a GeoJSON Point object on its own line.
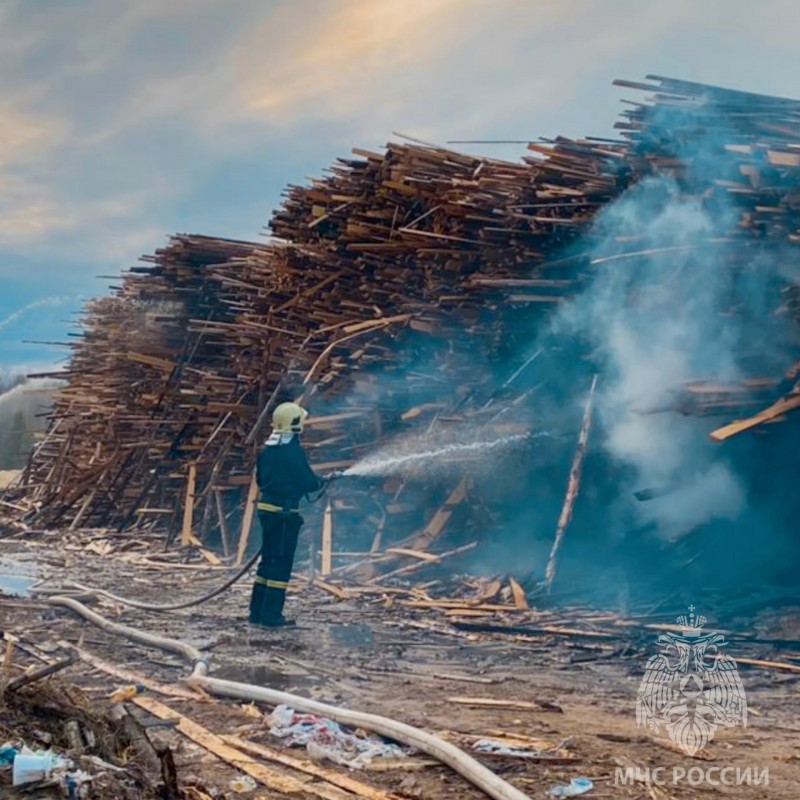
{"type": "Point", "coordinates": [122, 121]}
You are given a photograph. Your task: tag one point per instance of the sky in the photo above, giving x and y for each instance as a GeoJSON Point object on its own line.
{"type": "Point", "coordinates": [124, 121]}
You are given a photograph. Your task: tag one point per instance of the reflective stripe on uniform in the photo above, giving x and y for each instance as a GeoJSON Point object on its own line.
{"type": "Point", "coordinates": [277, 509]}
{"type": "Point", "coordinates": [270, 584]}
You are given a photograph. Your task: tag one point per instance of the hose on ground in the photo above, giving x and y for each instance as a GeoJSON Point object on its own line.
{"type": "Point", "coordinates": [466, 766]}
{"type": "Point", "coordinates": [125, 601]}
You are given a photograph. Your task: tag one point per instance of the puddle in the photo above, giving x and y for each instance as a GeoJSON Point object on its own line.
{"type": "Point", "coordinates": [351, 635]}
{"type": "Point", "coordinates": [15, 578]}
{"type": "Point", "coordinates": [259, 675]}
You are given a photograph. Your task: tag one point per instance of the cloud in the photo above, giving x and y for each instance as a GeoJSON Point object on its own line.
{"type": "Point", "coordinates": [432, 63]}
{"type": "Point", "coordinates": [365, 68]}
{"type": "Point", "coordinates": [28, 204]}
{"type": "Point", "coordinates": [123, 122]}
{"type": "Point", "coordinates": [339, 55]}
{"type": "Point", "coordinates": [25, 136]}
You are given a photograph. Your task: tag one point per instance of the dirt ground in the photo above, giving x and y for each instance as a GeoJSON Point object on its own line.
{"type": "Point", "coordinates": [576, 694]}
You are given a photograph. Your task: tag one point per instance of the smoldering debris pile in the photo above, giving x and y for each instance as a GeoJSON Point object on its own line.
{"type": "Point", "coordinates": [82, 750]}
{"type": "Point", "coordinates": [402, 294]}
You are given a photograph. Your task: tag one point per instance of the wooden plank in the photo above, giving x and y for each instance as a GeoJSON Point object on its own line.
{"type": "Point", "coordinates": [247, 520]}
{"type": "Point", "coordinates": [520, 598]}
{"type": "Point", "coordinates": [151, 361]}
{"type": "Point", "coordinates": [772, 412]}
{"type": "Point", "coordinates": [760, 662]}
{"type": "Point", "coordinates": [485, 702]}
{"type": "Point", "coordinates": [404, 551]}
{"type": "Point", "coordinates": [459, 604]}
{"type": "Point", "coordinates": [326, 566]}
{"type": "Point", "coordinates": [337, 591]}
{"type": "Point", "coordinates": [130, 676]}
{"type": "Point", "coordinates": [343, 781]}
{"type": "Point", "coordinates": [188, 508]}
{"type": "Point", "coordinates": [243, 762]}
{"type": "Point", "coordinates": [420, 564]}
{"type": "Point", "coordinates": [223, 523]}
{"type": "Point", "coordinates": [212, 558]}
{"type": "Point", "coordinates": [441, 517]}
{"type": "Point", "coordinates": [573, 485]}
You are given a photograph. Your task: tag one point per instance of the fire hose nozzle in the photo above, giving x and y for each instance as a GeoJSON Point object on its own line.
{"type": "Point", "coordinates": [331, 476]}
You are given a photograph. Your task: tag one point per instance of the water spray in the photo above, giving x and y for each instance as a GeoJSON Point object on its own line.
{"type": "Point", "coordinates": [391, 463]}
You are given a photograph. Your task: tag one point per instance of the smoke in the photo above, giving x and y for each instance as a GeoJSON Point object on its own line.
{"type": "Point", "coordinates": [654, 322]}
{"type": "Point", "coordinates": [45, 302]}
{"type": "Point", "coordinates": [24, 394]}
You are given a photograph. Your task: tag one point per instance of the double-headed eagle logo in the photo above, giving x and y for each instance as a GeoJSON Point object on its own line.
{"type": "Point", "coordinates": [690, 688]}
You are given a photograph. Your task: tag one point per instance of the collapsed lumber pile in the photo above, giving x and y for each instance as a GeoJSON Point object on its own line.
{"type": "Point", "coordinates": [400, 292]}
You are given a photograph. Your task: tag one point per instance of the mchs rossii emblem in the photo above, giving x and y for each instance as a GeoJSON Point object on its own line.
{"type": "Point", "coordinates": [691, 688]}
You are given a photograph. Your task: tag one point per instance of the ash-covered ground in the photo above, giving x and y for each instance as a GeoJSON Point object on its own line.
{"type": "Point", "coordinates": [372, 653]}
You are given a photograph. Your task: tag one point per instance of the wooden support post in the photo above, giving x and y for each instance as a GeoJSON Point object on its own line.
{"type": "Point", "coordinates": [572, 488]}
{"type": "Point", "coordinates": [327, 541]}
{"type": "Point", "coordinates": [188, 508]}
{"type": "Point", "coordinates": [377, 541]}
{"type": "Point", "coordinates": [247, 521]}
{"type": "Point", "coordinates": [224, 533]}
{"type": "Point", "coordinates": [312, 559]}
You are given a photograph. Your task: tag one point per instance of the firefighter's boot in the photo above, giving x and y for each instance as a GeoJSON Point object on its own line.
{"type": "Point", "coordinates": [257, 599]}
{"type": "Point", "coordinates": [272, 615]}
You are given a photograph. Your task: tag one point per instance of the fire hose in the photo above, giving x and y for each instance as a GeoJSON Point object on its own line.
{"type": "Point", "coordinates": [125, 601]}
{"type": "Point", "coordinates": [196, 601]}
{"type": "Point", "coordinates": [466, 766]}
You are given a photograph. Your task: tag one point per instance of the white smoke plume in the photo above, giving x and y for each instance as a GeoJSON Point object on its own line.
{"type": "Point", "coordinates": [24, 395]}
{"type": "Point", "coordinates": [654, 322]}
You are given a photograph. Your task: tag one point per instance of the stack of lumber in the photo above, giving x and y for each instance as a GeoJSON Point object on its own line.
{"type": "Point", "coordinates": [399, 292]}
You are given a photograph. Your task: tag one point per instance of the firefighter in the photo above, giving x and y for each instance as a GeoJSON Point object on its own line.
{"type": "Point", "coordinates": [284, 478]}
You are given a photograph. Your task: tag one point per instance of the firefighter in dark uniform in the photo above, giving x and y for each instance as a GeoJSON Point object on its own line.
{"type": "Point", "coordinates": [284, 478]}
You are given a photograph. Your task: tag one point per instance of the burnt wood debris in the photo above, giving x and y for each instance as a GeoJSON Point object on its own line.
{"type": "Point", "coordinates": [383, 284]}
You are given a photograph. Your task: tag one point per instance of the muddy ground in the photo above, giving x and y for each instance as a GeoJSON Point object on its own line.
{"type": "Point", "coordinates": [408, 664]}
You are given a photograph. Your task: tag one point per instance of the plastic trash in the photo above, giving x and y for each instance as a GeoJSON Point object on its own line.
{"type": "Point", "coordinates": [125, 693]}
{"type": "Point", "coordinates": [244, 783]}
{"type": "Point", "coordinates": [7, 754]}
{"type": "Point", "coordinates": [576, 786]}
{"type": "Point", "coordinates": [283, 717]}
{"type": "Point", "coordinates": [72, 784]}
{"type": "Point", "coordinates": [30, 766]}
{"type": "Point", "coordinates": [501, 749]}
{"type": "Point", "coordinates": [325, 739]}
